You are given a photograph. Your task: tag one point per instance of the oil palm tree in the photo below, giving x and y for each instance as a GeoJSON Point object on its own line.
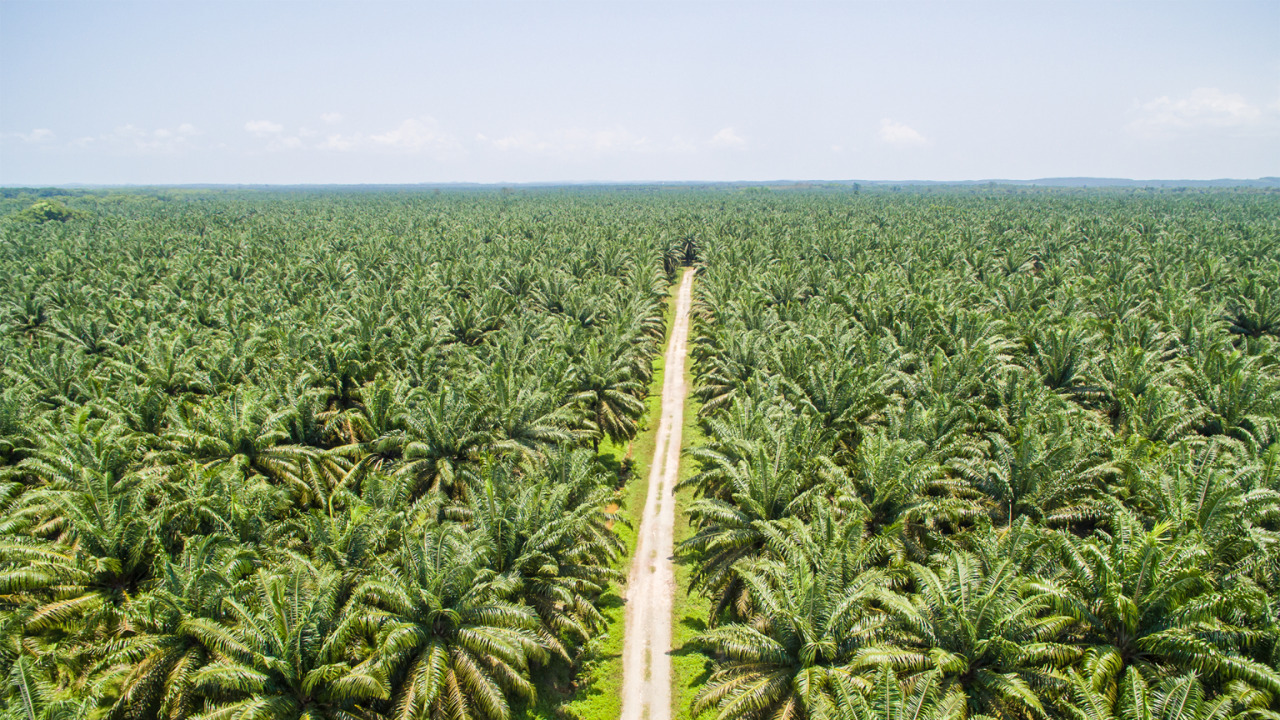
{"type": "Point", "coordinates": [791, 658]}
{"type": "Point", "coordinates": [727, 361]}
{"type": "Point", "coordinates": [903, 495]}
{"type": "Point", "coordinates": [527, 413]}
{"type": "Point", "coordinates": [166, 648]}
{"type": "Point", "coordinates": [847, 396]}
{"type": "Point", "coordinates": [1176, 698]}
{"type": "Point", "coordinates": [603, 383]}
{"type": "Point", "coordinates": [376, 428]}
{"type": "Point", "coordinates": [1208, 488]}
{"type": "Point", "coordinates": [77, 453]}
{"type": "Point", "coordinates": [996, 647]}
{"type": "Point", "coordinates": [348, 543]}
{"type": "Point", "coordinates": [79, 548]}
{"type": "Point", "coordinates": [30, 696]}
{"type": "Point", "coordinates": [1255, 311]}
{"type": "Point", "coordinates": [550, 535]}
{"type": "Point", "coordinates": [279, 659]}
{"type": "Point", "coordinates": [244, 433]}
{"type": "Point", "coordinates": [1040, 469]}
{"type": "Point", "coordinates": [1237, 393]}
{"type": "Point", "coordinates": [1162, 414]}
{"type": "Point", "coordinates": [193, 500]}
{"type": "Point", "coordinates": [15, 438]}
{"type": "Point", "coordinates": [447, 638]}
{"type": "Point", "coordinates": [445, 434]}
{"type": "Point", "coordinates": [767, 481]}
{"type": "Point", "coordinates": [1141, 598]}
{"type": "Point", "coordinates": [891, 699]}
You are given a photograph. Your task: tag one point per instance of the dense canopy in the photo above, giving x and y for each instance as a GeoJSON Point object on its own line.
{"type": "Point", "coordinates": [969, 453]}
{"type": "Point", "coordinates": [1046, 425]}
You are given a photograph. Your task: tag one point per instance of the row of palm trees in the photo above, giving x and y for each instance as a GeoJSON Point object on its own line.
{"type": "Point", "coordinates": [317, 456]}
{"type": "Point", "coordinates": [359, 614]}
{"type": "Point", "coordinates": [977, 457]}
{"type": "Point", "coordinates": [321, 454]}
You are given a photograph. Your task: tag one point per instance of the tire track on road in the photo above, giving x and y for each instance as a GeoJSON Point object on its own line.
{"type": "Point", "coordinates": [646, 659]}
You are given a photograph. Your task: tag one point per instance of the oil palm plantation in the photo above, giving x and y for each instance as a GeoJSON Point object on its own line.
{"type": "Point", "coordinates": [279, 660]}
{"type": "Point", "coordinates": [1142, 599]}
{"type": "Point", "coordinates": [888, 698]}
{"type": "Point", "coordinates": [604, 384]}
{"type": "Point", "coordinates": [448, 637]}
{"type": "Point", "coordinates": [550, 535]}
{"type": "Point", "coordinates": [793, 655]}
{"type": "Point", "coordinates": [994, 646]}
{"type": "Point", "coordinates": [168, 645]}
{"type": "Point", "coordinates": [215, 398]}
{"type": "Point", "coordinates": [774, 478]}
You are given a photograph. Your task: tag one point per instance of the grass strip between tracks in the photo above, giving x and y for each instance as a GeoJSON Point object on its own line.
{"type": "Point", "coordinates": [689, 667]}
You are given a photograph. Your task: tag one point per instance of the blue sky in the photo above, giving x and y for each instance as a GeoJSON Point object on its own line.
{"type": "Point", "coordinates": [190, 91]}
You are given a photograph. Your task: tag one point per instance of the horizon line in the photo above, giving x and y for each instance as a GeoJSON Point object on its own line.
{"type": "Point", "coordinates": [1059, 181]}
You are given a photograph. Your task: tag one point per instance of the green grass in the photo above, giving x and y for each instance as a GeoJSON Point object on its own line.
{"type": "Point", "coordinates": [689, 667]}
{"type": "Point", "coordinates": [597, 692]}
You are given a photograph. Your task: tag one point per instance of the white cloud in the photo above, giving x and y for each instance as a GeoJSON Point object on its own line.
{"type": "Point", "coordinates": [609, 140]}
{"type": "Point", "coordinates": [263, 128]}
{"type": "Point", "coordinates": [573, 142]}
{"type": "Point", "coordinates": [1203, 108]}
{"type": "Point", "coordinates": [331, 118]}
{"type": "Point", "coordinates": [417, 135]}
{"type": "Point", "coordinates": [520, 142]}
{"type": "Point", "coordinates": [35, 137]}
{"type": "Point", "coordinates": [682, 146]}
{"type": "Point", "coordinates": [900, 134]}
{"type": "Point", "coordinates": [274, 136]}
{"type": "Point", "coordinates": [131, 138]}
{"type": "Point", "coordinates": [413, 136]}
{"type": "Point", "coordinates": [728, 138]}
{"type": "Point", "coordinates": [338, 142]}
{"type": "Point", "coordinates": [39, 135]}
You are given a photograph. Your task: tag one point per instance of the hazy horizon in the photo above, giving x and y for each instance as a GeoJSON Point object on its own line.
{"type": "Point", "coordinates": [1266, 182]}
{"type": "Point", "coordinates": [385, 93]}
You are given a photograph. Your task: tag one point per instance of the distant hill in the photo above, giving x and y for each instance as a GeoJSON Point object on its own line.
{"type": "Point", "coordinates": [1124, 182]}
{"type": "Point", "coordinates": [1092, 182]}
{"type": "Point", "coordinates": [1270, 182]}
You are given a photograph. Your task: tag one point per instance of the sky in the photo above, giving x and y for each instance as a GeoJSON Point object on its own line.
{"type": "Point", "coordinates": [288, 91]}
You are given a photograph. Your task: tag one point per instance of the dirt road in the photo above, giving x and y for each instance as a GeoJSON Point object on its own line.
{"type": "Point", "coordinates": [646, 664]}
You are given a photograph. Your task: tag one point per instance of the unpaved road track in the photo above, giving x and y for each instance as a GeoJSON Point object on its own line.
{"type": "Point", "coordinates": [646, 662]}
